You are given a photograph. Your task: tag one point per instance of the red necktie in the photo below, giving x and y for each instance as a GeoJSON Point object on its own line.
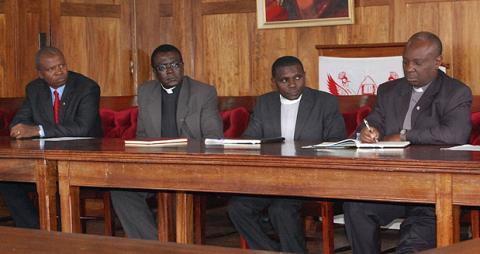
{"type": "Point", "coordinates": [56, 105]}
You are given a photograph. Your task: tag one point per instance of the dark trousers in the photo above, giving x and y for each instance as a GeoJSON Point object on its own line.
{"type": "Point", "coordinates": [132, 209]}
{"type": "Point", "coordinates": [363, 221]}
{"type": "Point", "coordinates": [22, 209]}
{"type": "Point", "coordinates": [245, 213]}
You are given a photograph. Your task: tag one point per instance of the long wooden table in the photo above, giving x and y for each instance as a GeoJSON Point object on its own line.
{"type": "Point", "coordinates": [23, 161]}
{"type": "Point", "coordinates": [417, 174]}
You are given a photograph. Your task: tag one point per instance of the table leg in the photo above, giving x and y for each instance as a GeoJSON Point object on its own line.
{"type": "Point", "coordinates": [165, 221]}
{"type": "Point", "coordinates": [444, 210]}
{"type": "Point", "coordinates": [47, 189]}
{"type": "Point", "coordinates": [69, 200]}
{"type": "Point", "coordinates": [456, 223]}
{"type": "Point", "coordinates": [184, 212]}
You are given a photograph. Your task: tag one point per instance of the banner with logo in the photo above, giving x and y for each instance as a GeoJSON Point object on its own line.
{"type": "Point", "coordinates": [357, 76]}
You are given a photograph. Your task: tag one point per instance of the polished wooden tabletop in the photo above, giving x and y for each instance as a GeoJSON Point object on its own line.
{"type": "Point", "coordinates": [96, 148]}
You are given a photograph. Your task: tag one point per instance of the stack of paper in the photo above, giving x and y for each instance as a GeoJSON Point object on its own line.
{"type": "Point", "coordinates": [156, 142]}
{"type": "Point", "coordinates": [241, 143]}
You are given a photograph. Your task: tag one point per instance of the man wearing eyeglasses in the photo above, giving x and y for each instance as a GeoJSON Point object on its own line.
{"type": "Point", "coordinates": [172, 106]}
{"type": "Point", "coordinates": [60, 103]}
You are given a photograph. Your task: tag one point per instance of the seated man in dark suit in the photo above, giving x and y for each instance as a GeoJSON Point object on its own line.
{"type": "Point", "coordinates": [298, 113]}
{"type": "Point", "coordinates": [424, 107]}
{"type": "Point", "coordinates": [59, 103]}
{"type": "Point", "coordinates": [172, 106]}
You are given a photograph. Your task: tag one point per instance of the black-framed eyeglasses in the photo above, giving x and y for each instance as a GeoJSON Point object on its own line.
{"type": "Point", "coordinates": [164, 67]}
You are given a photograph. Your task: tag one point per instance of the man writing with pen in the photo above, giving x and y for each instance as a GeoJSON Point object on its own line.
{"type": "Point", "coordinates": [424, 107]}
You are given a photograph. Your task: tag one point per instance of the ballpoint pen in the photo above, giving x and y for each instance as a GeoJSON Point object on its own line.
{"type": "Point", "coordinates": [368, 127]}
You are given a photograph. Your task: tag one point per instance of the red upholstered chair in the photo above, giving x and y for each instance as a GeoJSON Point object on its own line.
{"type": "Point", "coordinates": [235, 122]}
{"type": "Point", "coordinates": [475, 140]}
{"type": "Point", "coordinates": [6, 117]}
{"type": "Point", "coordinates": [475, 133]}
{"type": "Point", "coordinates": [119, 124]}
{"type": "Point", "coordinates": [354, 118]}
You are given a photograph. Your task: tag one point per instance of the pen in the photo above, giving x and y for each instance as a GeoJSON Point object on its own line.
{"type": "Point", "coordinates": [368, 127]}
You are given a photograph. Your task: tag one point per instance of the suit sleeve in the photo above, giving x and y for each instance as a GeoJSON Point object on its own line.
{"type": "Point", "coordinates": [211, 123]}
{"type": "Point", "coordinates": [376, 118]}
{"type": "Point", "coordinates": [24, 114]}
{"type": "Point", "coordinates": [86, 116]}
{"type": "Point", "coordinates": [334, 124]}
{"type": "Point", "coordinates": [455, 122]}
{"type": "Point", "coordinates": [140, 119]}
{"type": "Point", "coordinates": [254, 128]}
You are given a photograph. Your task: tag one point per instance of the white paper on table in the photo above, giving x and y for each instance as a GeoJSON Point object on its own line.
{"type": "Point", "coordinates": [462, 148]}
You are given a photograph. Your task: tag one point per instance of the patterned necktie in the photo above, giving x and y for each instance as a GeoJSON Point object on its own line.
{"type": "Point", "coordinates": [56, 105]}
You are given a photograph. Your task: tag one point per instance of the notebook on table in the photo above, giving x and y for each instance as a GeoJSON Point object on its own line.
{"type": "Point", "coordinates": [353, 143]}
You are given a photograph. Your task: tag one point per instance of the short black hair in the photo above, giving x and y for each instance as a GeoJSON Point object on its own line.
{"type": "Point", "coordinates": [285, 61]}
{"type": "Point", "coordinates": [428, 36]}
{"type": "Point", "coordinates": [162, 49]}
{"type": "Point", "coordinates": [46, 51]}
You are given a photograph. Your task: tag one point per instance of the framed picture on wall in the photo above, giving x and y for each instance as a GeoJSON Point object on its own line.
{"type": "Point", "coordinates": [302, 13]}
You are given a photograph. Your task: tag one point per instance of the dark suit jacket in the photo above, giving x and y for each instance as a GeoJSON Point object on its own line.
{"type": "Point", "coordinates": [318, 117]}
{"type": "Point", "coordinates": [441, 116]}
{"type": "Point", "coordinates": [197, 110]}
{"type": "Point", "coordinates": [78, 115]}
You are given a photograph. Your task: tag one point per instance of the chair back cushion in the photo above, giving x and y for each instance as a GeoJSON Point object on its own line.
{"type": "Point", "coordinates": [6, 117]}
{"type": "Point", "coordinates": [235, 122]}
{"type": "Point", "coordinates": [475, 133]}
{"type": "Point", "coordinates": [354, 118]}
{"type": "Point", "coordinates": [119, 124]}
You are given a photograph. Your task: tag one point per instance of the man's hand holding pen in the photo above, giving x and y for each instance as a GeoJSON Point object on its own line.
{"type": "Point", "coordinates": [369, 134]}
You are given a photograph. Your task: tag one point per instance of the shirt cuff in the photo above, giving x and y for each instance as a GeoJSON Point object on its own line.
{"type": "Point", "coordinates": [41, 132]}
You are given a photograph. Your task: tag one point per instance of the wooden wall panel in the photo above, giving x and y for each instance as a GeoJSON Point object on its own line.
{"type": "Point", "coordinates": [4, 66]}
{"type": "Point", "coordinates": [268, 46]}
{"type": "Point", "coordinates": [227, 52]}
{"type": "Point", "coordinates": [225, 40]}
{"type": "Point", "coordinates": [367, 29]}
{"type": "Point", "coordinates": [154, 26]}
{"type": "Point", "coordinates": [21, 21]}
{"type": "Point", "coordinates": [466, 43]}
{"type": "Point", "coordinates": [97, 41]}
{"type": "Point", "coordinates": [29, 28]}
{"type": "Point", "coordinates": [219, 52]}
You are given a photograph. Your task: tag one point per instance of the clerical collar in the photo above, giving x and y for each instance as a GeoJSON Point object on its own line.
{"type": "Point", "coordinates": [286, 101]}
{"type": "Point", "coordinates": [423, 88]}
{"type": "Point", "coordinates": [168, 90]}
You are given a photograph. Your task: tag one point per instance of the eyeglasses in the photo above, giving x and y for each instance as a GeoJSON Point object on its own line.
{"type": "Point", "coordinates": [164, 67]}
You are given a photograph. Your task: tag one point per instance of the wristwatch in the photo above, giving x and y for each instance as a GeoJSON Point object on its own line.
{"type": "Point", "coordinates": [403, 135]}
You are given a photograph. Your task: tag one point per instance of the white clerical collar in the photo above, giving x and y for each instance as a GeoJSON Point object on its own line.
{"type": "Point", "coordinates": [286, 101]}
{"type": "Point", "coordinates": [168, 90]}
{"type": "Point", "coordinates": [423, 88]}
